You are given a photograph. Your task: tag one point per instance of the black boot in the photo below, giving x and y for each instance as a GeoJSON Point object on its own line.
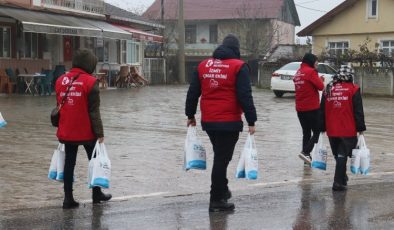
{"type": "Point", "coordinates": [221, 206]}
{"type": "Point", "coordinates": [69, 201]}
{"type": "Point", "coordinates": [338, 187]}
{"type": "Point", "coordinates": [98, 195]}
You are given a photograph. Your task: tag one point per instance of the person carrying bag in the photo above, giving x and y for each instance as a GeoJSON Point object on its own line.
{"type": "Point", "coordinates": [342, 117]}
{"type": "Point", "coordinates": [79, 119]}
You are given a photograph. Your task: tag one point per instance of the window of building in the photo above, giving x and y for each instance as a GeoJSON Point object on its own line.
{"type": "Point", "coordinates": [5, 42]}
{"type": "Point", "coordinates": [372, 8]}
{"type": "Point", "coordinates": [102, 49]}
{"type": "Point", "coordinates": [213, 34]}
{"type": "Point", "coordinates": [190, 34]}
{"type": "Point", "coordinates": [338, 48]}
{"type": "Point", "coordinates": [30, 45]}
{"type": "Point", "coordinates": [133, 52]}
{"type": "Point", "coordinates": [387, 47]}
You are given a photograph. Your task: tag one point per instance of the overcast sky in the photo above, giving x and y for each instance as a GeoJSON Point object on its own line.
{"type": "Point", "coordinates": [308, 10]}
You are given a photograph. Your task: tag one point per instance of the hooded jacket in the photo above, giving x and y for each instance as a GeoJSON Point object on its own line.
{"type": "Point", "coordinates": [307, 85]}
{"type": "Point", "coordinates": [242, 89]}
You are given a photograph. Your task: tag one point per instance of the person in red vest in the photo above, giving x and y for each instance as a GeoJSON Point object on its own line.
{"type": "Point", "coordinates": [80, 120]}
{"type": "Point", "coordinates": [307, 86]}
{"type": "Point", "coordinates": [342, 117]}
{"type": "Point", "coordinates": [223, 82]}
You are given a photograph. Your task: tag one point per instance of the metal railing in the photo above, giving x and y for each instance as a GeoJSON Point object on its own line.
{"type": "Point", "coordinates": [92, 6]}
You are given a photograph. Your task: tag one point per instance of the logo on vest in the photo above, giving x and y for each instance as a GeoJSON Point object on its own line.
{"type": "Point", "coordinates": [209, 63]}
{"type": "Point", "coordinates": [65, 81]}
{"type": "Point", "coordinates": [213, 84]}
{"type": "Point", "coordinates": [337, 104]}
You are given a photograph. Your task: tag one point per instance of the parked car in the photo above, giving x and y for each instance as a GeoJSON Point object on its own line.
{"type": "Point", "coordinates": [282, 79]}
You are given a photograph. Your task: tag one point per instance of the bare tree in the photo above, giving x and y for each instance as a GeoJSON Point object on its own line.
{"type": "Point", "coordinates": [258, 34]}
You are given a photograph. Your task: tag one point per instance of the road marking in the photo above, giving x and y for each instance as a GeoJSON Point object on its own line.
{"type": "Point", "coordinates": [130, 197]}
{"type": "Point", "coordinates": [294, 181]}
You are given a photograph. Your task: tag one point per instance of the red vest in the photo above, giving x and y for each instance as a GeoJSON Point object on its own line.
{"type": "Point", "coordinates": [74, 124]}
{"type": "Point", "coordinates": [307, 85]}
{"type": "Point", "coordinates": [339, 111]}
{"type": "Point", "coordinates": [218, 90]}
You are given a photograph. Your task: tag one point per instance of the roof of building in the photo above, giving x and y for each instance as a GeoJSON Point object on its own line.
{"type": "Point", "coordinates": [307, 31]}
{"type": "Point", "coordinates": [222, 9]}
{"type": "Point", "coordinates": [120, 14]}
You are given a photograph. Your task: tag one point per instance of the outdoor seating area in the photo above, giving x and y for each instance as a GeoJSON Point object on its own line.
{"type": "Point", "coordinates": [13, 81]}
{"type": "Point", "coordinates": [129, 76]}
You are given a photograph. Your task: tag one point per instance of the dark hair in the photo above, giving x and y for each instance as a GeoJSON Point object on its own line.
{"type": "Point", "coordinates": [309, 59]}
{"type": "Point", "coordinates": [85, 60]}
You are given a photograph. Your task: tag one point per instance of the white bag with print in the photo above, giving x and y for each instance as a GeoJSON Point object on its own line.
{"type": "Point", "coordinates": [364, 156]}
{"type": "Point", "coordinates": [251, 158]}
{"type": "Point", "coordinates": [319, 154]}
{"type": "Point", "coordinates": [194, 152]}
{"type": "Point", "coordinates": [99, 170]}
{"type": "Point", "coordinates": [56, 168]}
{"type": "Point", "coordinates": [60, 162]}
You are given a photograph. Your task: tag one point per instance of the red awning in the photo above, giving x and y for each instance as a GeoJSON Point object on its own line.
{"type": "Point", "coordinates": [141, 35]}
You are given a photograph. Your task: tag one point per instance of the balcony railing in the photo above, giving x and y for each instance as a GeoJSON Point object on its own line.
{"type": "Point", "coordinates": [91, 6]}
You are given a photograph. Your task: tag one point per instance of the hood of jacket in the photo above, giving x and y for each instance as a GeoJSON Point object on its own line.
{"type": "Point", "coordinates": [224, 52]}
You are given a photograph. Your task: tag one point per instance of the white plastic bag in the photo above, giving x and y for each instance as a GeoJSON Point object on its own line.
{"type": "Point", "coordinates": [99, 167]}
{"type": "Point", "coordinates": [194, 152]}
{"type": "Point", "coordinates": [319, 154]}
{"type": "Point", "coordinates": [60, 162]}
{"type": "Point", "coordinates": [2, 121]}
{"type": "Point", "coordinates": [240, 173]}
{"type": "Point", "coordinates": [53, 166]}
{"type": "Point", "coordinates": [364, 156]}
{"type": "Point", "coordinates": [56, 168]}
{"type": "Point", "coordinates": [251, 159]}
{"type": "Point", "coordinates": [355, 160]}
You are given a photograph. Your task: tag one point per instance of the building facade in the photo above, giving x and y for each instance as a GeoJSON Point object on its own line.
{"type": "Point", "coordinates": [351, 24]}
{"type": "Point", "coordinates": [260, 25]}
{"type": "Point", "coordinates": [42, 34]}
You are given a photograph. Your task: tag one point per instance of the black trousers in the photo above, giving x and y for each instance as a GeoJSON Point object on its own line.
{"type": "Point", "coordinates": [223, 143]}
{"type": "Point", "coordinates": [309, 121]}
{"type": "Point", "coordinates": [342, 149]}
{"type": "Point", "coordinates": [70, 160]}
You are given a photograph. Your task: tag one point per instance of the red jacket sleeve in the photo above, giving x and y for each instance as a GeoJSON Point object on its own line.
{"type": "Point", "coordinates": [316, 81]}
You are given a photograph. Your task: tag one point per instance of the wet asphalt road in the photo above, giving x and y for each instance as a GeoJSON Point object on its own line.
{"type": "Point", "coordinates": [145, 131]}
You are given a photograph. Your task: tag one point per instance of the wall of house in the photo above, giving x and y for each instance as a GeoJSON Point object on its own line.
{"type": "Point", "coordinates": [285, 33]}
{"type": "Point", "coordinates": [320, 43]}
{"type": "Point", "coordinates": [354, 20]}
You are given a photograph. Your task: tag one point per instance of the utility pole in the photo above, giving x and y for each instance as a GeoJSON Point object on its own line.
{"type": "Point", "coordinates": [162, 29]}
{"type": "Point", "coordinates": [181, 43]}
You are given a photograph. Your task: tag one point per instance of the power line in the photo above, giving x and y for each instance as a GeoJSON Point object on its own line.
{"type": "Point", "coordinates": [311, 8]}
{"type": "Point", "coordinates": [308, 2]}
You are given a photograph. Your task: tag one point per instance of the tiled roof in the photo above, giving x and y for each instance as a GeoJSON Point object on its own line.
{"type": "Point", "coordinates": [219, 9]}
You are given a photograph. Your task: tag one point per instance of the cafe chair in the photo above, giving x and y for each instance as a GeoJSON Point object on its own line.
{"type": "Point", "coordinates": [123, 77]}
{"type": "Point", "coordinates": [45, 83]}
{"type": "Point", "coordinates": [12, 81]}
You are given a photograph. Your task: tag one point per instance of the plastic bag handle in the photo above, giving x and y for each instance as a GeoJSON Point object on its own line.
{"type": "Point", "coordinates": [321, 138]}
{"type": "Point", "coordinates": [103, 151]}
{"type": "Point", "coordinates": [95, 150]}
{"type": "Point", "coordinates": [361, 140]}
{"type": "Point", "coordinates": [252, 142]}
